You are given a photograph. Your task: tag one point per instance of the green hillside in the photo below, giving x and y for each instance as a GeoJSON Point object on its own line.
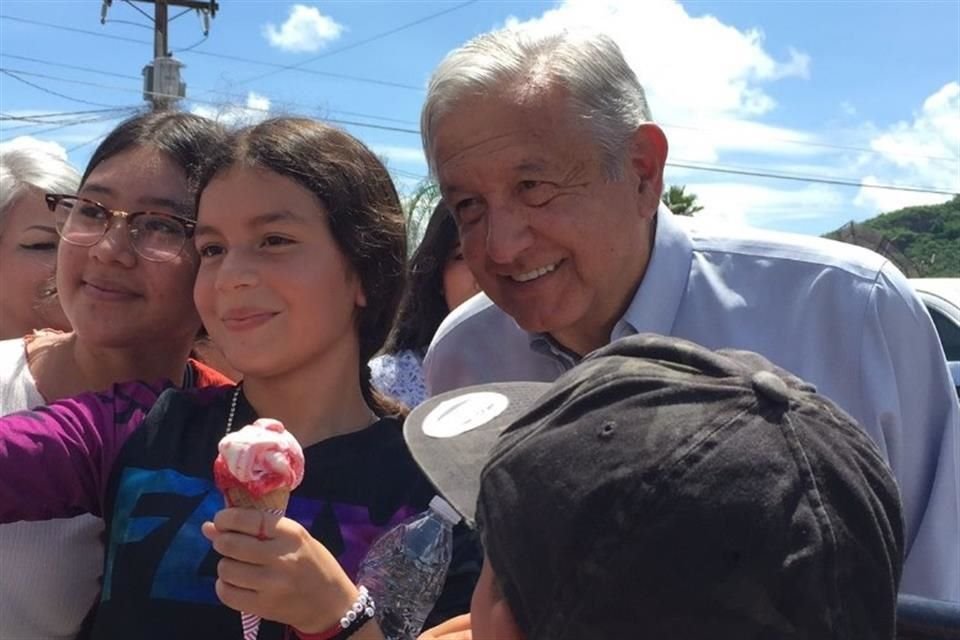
{"type": "Point", "coordinates": [929, 236]}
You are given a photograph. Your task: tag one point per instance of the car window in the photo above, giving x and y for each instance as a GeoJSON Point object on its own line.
{"type": "Point", "coordinates": [949, 333]}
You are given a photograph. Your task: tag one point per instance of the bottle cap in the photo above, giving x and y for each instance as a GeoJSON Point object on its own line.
{"type": "Point", "coordinates": [441, 507]}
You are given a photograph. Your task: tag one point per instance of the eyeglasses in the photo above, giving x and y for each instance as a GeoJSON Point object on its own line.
{"type": "Point", "coordinates": [158, 237]}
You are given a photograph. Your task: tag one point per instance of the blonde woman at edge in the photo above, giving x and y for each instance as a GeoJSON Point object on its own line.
{"type": "Point", "coordinates": [28, 241]}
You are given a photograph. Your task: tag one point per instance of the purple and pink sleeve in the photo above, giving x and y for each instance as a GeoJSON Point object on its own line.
{"type": "Point", "coordinates": [55, 461]}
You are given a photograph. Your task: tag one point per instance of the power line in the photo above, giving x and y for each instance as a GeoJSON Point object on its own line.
{"type": "Point", "coordinates": [83, 144]}
{"type": "Point", "coordinates": [369, 116]}
{"type": "Point", "coordinates": [305, 108]}
{"type": "Point", "coordinates": [60, 124]}
{"type": "Point", "coordinates": [72, 81]}
{"type": "Point", "coordinates": [129, 22]}
{"type": "Point", "coordinates": [40, 117]}
{"type": "Point", "coordinates": [149, 17]}
{"type": "Point", "coordinates": [74, 29]}
{"type": "Point", "coordinates": [368, 125]}
{"type": "Point", "coordinates": [678, 164]}
{"type": "Point", "coordinates": [313, 72]}
{"type": "Point", "coordinates": [182, 13]}
{"type": "Point", "coordinates": [193, 46]}
{"type": "Point", "coordinates": [757, 173]}
{"type": "Point", "coordinates": [407, 174]}
{"type": "Point", "coordinates": [360, 43]}
{"type": "Point", "coordinates": [74, 123]}
{"type": "Point", "coordinates": [31, 122]}
{"type": "Point", "coordinates": [389, 32]}
{"type": "Point", "coordinates": [814, 144]}
{"type": "Point", "coordinates": [280, 68]}
{"type": "Point", "coordinates": [222, 56]}
{"type": "Point", "coordinates": [71, 66]}
{"type": "Point", "coordinates": [50, 91]}
{"type": "Point", "coordinates": [208, 91]}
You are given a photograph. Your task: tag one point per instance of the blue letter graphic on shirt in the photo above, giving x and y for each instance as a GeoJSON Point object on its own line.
{"type": "Point", "coordinates": [184, 504]}
{"type": "Point", "coordinates": [157, 550]}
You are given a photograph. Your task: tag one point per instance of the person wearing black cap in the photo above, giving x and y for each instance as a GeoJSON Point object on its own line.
{"type": "Point", "coordinates": [662, 490]}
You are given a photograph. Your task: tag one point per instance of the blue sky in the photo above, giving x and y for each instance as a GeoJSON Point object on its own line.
{"type": "Point", "coordinates": [858, 92]}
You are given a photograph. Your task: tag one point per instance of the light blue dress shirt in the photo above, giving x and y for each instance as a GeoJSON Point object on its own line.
{"type": "Point", "coordinates": [837, 315]}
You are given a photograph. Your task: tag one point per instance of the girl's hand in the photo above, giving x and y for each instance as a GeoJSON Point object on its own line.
{"type": "Point", "coordinates": [453, 629]}
{"type": "Point", "coordinates": [273, 568]}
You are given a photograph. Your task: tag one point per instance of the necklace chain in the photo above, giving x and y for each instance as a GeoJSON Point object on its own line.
{"type": "Point", "coordinates": [233, 408]}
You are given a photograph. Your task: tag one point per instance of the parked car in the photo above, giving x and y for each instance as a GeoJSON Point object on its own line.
{"type": "Point", "coordinates": [942, 297]}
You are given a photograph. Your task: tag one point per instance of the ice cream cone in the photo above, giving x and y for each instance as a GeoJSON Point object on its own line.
{"type": "Point", "coordinates": [257, 468]}
{"type": "Point", "coordinates": [273, 502]}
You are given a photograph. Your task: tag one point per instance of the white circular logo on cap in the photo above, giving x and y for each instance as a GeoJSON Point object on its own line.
{"type": "Point", "coordinates": [464, 413]}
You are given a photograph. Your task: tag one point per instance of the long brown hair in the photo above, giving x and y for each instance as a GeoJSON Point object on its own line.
{"type": "Point", "coordinates": [185, 137]}
{"type": "Point", "coordinates": [363, 209]}
{"type": "Point", "coordinates": [424, 306]}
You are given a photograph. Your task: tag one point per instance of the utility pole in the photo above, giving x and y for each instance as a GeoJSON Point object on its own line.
{"type": "Point", "coordinates": [162, 86]}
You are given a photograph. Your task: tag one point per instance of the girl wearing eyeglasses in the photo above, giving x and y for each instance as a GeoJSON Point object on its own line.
{"type": "Point", "coordinates": [124, 277]}
{"type": "Point", "coordinates": [301, 242]}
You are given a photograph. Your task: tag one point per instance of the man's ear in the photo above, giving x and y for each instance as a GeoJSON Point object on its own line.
{"type": "Point", "coordinates": [648, 156]}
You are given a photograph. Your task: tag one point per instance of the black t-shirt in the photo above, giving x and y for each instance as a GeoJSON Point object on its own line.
{"type": "Point", "coordinates": [160, 571]}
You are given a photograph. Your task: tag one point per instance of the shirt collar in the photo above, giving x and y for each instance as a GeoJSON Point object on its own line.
{"type": "Point", "coordinates": [655, 304]}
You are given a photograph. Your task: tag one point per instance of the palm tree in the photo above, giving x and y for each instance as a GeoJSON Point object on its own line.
{"type": "Point", "coordinates": [418, 207]}
{"type": "Point", "coordinates": [680, 202]}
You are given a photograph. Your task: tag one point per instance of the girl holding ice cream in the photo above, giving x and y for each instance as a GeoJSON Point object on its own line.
{"type": "Point", "coordinates": [301, 243]}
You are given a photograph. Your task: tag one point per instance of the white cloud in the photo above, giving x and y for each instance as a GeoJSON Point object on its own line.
{"type": "Point", "coordinates": [883, 200]}
{"type": "Point", "coordinates": [256, 102]}
{"type": "Point", "coordinates": [82, 137]}
{"type": "Point", "coordinates": [711, 87]}
{"type": "Point", "coordinates": [798, 65]}
{"type": "Point", "coordinates": [28, 142]}
{"type": "Point", "coordinates": [924, 152]}
{"type": "Point", "coordinates": [306, 30]}
{"type": "Point", "coordinates": [255, 109]}
{"type": "Point", "coordinates": [722, 74]}
{"type": "Point", "coordinates": [737, 203]}
{"type": "Point", "coordinates": [716, 87]}
{"type": "Point", "coordinates": [705, 141]}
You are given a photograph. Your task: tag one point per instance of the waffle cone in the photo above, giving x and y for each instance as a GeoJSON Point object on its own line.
{"type": "Point", "coordinates": [275, 501]}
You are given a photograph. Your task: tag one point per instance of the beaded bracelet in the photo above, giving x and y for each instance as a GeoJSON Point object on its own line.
{"type": "Point", "coordinates": [359, 613]}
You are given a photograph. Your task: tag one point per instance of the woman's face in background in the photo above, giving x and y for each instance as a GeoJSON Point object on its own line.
{"type": "Point", "coordinates": [459, 285]}
{"type": "Point", "coordinates": [28, 252]}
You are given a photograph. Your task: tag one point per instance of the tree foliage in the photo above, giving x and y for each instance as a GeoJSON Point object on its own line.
{"type": "Point", "coordinates": [679, 201]}
{"type": "Point", "coordinates": [929, 236]}
{"type": "Point", "coordinates": [418, 207]}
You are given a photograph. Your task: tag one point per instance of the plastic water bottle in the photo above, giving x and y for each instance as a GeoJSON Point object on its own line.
{"type": "Point", "coordinates": [405, 569]}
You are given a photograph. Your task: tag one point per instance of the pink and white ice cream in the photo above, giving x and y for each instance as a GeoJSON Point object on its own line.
{"type": "Point", "coordinates": [259, 459]}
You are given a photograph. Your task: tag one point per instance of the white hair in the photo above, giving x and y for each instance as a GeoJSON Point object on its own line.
{"type": "Point", "coordinates": [604, 91]}
{"type": "Point", "coordinates": [22, 167]}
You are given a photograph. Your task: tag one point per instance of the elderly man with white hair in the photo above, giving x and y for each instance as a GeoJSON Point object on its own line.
{"type": "Point", "coordinates": [547, 154]}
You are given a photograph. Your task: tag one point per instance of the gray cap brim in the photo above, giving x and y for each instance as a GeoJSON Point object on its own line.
{"type": "Point", "coordinates": [451, 435]}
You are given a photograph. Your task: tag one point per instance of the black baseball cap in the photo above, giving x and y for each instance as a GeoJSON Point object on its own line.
{"type": "Point", "coordinates": [662, 490]}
